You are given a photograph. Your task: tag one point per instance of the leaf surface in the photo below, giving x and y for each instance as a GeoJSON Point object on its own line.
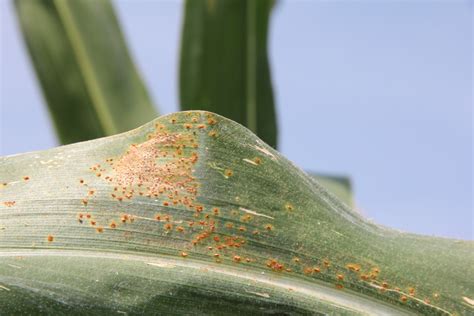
{"type": "Point", "coordinates": [224, 66]}
{"type": "Point", "coordinates": [338, 185]}
{"type": "Point", "coordinates": [88, 79]}
{"type": "Point", "coordinates": [192, 213]}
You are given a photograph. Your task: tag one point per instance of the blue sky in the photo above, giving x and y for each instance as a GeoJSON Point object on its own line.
{"type": "Point", "coordinates": [381, 91]}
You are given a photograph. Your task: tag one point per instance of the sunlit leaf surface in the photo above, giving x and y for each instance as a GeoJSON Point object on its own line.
{"type": "Point", "coordinates": [193, 214]}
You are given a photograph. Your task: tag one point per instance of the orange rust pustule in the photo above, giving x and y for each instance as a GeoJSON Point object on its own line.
{"type": "Point", "coordinates": [353, 267]}
{"type": "Point", "coordinates": [275, 265]}
{"type": "Point", "coordinates": [124, 218]}
{"type": "Point", "coordinates": [308, 270]}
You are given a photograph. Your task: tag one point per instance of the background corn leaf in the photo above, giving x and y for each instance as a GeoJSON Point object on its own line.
{"type": "Point", "coordinates": [224, 66]}
{"type": "Point", "coordinates": [338, 185]}
{"type": "Point", "coordinates": [88, 78]}
{"type": "Point", "coordinates": [193, 213]}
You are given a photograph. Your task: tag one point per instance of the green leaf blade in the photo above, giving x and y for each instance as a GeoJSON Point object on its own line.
{"type": "Point", "coordinates": [150, 285]}
{"type": "Point", "coordinates": [87, 76]}
{"type": "Point", "coordinates": [338, 185]}
{"type": "Point", "coordinates": [285, 237]}
{"type": "Point", "coordinates": [224, 66]}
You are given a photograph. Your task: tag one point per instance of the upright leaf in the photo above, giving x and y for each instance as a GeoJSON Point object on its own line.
{"type": "Point", "coordinates": [340, 186]}
{"type": "Point", "coordinates": [81, 60]}
{"type": "Point", "coordinates": [224, 66]}
{"type": "Point", "coordinates": [192, 214]}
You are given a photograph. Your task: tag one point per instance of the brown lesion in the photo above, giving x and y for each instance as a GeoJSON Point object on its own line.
{"type": "Point", "coordinates": [161, 166]}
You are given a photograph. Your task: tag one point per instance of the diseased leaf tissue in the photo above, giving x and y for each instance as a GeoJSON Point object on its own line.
{"type": "Point", "coordinates": [199, 188]}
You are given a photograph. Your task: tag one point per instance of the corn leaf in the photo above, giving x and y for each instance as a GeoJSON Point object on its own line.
{"type": "Point", "coordinates": [193, 214]}
{"type": "Point", "coordinates": [224, 66]}
{"type": "Point", "coordinates": [338, 185]}
{"type": "Point", "coordinates": [88, 79]}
